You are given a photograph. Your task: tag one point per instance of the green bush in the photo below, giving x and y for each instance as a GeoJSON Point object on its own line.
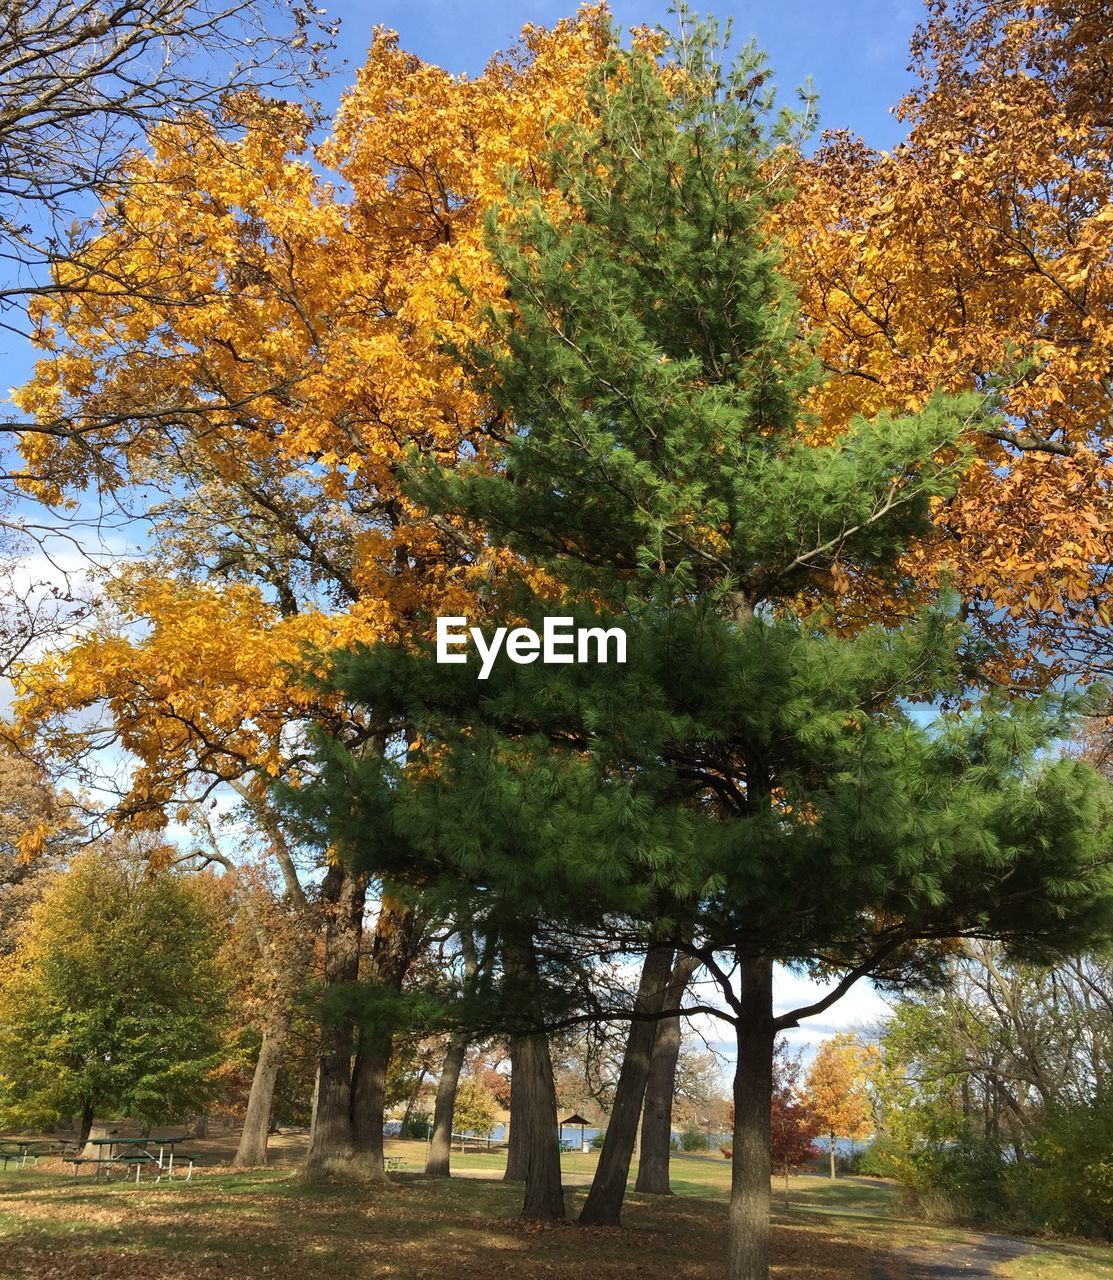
{"type": "Point", "coordinates": [881, 1159]}
{"type": "Point", "coordinates": [1061, 1182]}
{"type": "Point", "coordinates": [419, 1126]}
{"type": "Point", "coordinates": [1065, 1181]}
{"type": "Point", "coordinates": [596, 1143]}
{"type": "Point", "coordinates": [693, 1139]}
{"type": "Point", "coordinates": [957, 1181]}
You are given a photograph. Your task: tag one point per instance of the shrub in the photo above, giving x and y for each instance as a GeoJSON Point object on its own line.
{"type": "Point", "coordinates": [419, 1126]}
{"type": "Point", "coordinates": [881, 1159]}
{"type": "Point", "coordinates": [693, 1139]}
{"type": "Point", "coordinates": [1065, 1181]}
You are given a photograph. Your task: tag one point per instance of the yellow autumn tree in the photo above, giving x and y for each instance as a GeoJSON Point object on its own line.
{"type": "Point", "coordinates": [261, 348]}
{"type": "Point", "coordinates": [979, 253]}
{"type": "Point", "coordinates": [837, 1089]}
{"type": "Point", "coordinates": [257, 352]}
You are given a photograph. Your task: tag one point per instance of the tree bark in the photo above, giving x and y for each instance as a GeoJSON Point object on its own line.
{"type": "Point", "coordinates": [440, 1144]}
{"type": "Point", "coordinates": [750, 1190]}
{"type": "Point", "coordinates": [331, 1149]}
{"type": "Point", "coordinates": [252, 1149]}
{"type": "Point", "coordinates": [831, 1139]}
{"type": "Point", "coordinates": [660, 1089]}
{"type": "Point", "coordinates": [368, 1096]}
{"type": "Point", "coordinates": [534, 1148]}
{"type": "Point", "coordinates": [392, 951]}
{"type": "Point", "coordinates": [537, 1117]}
{"type": "Point", "coordinates": [603, 1206]}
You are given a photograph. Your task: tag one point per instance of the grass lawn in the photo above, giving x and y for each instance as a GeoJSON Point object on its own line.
{"type": "Point", "coordinates": [266, 1225]}
{"type": "Point", "coordinates": [1063, 1261]}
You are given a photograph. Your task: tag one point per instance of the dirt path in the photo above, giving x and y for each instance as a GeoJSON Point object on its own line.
{"type": "Point", "coordinates": [978, 1258]}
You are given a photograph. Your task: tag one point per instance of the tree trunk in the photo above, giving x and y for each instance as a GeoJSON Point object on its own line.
{"type": "Point", "coordinates": [392, 951]}
{"type": "Point", "coordinates": [330, 1140]}
{"type": "Point", "coordinates": [603, 1207]}
{"type": "Point", "coordinates": [516, 1137]}
{"type": "Point", "coordinates": [252, 1149]}
{"type": "Point", "coordinates": [536, 1117]}
{"type": "Point", "coordinates": [660, 1088]}
{"type": "Point", "coordinates": [440, 1145]}
{"type": "Point", "coordinates": [86, 1128]}
{"type": "Point", "coordinates": [534, 1132]}
{"type": "Point", "coordinates": [750, 1191]}
{"type": "Point", "coordinates": [831, 1154]}
{"type": "Point", "coordinates": [369, 1100]}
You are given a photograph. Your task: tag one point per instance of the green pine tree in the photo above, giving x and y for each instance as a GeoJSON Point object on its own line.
{"type": "Point", "coordinates": [752, 785]}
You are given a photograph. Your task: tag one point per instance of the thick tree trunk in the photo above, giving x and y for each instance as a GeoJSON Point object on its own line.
{"type": "Point", "coordinates": [391, 954]}
{"type": "Point", "coordinates": [440, 1144]}
{"type": "Point", "coordinates": [750, 1191]}
{"type": "Point", "coordinates": [603, 1206]}
{"type": "Point", "coordinates": [330, 1140]}
{"type": "Point", "coordinates": [660, 1088]}
{"type": "Point", "coordinates": [537, 1117]}
{"type": "Point", "coordinates": [534, 1153]}
{"type": "Point", "coordinates": [369, 1100]}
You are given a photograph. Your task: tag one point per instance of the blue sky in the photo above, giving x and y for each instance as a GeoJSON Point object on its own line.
{"type": "Point", "coordinates": [856, 51]}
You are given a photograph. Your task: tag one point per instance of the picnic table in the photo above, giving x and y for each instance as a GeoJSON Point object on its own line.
{"type": "Point", "coordinates": [131, 1153]}
{"type": "Point", "coordinates": [20, 1150]}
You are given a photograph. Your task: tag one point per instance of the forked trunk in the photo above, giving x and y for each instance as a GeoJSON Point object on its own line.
{"type": "Point", "coordinates": [656, 1146]}
{"type": "Point", "coordinates": [440, 1144]}
{"type": "Point", "coordinates": [411, 1103]}
{"type": "Point", "coordinates": [330, 1140]}
{"type": "Point", "coordinates": [603, 1207]}
{"type": "Point", "coordinates": [750, 1191]}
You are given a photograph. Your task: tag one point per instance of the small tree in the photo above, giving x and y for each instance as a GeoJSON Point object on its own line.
{"type": "Point", "coordinates": [838, 1089]}
{"type": "Point", "coordinates": [476, 1109]}
{"type": "Point", "coordinates": [113, 1003]}
{"type": "Point", "coordinates": [794, 1126]}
